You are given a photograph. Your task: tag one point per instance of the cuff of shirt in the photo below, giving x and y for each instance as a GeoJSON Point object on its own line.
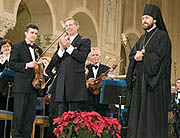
{"type": "Point", "coordinates": [70, 50]}
{"type": "Point", "coordinates": [60, 52]}
{"type": "Point", "coordinates": [26, 66]}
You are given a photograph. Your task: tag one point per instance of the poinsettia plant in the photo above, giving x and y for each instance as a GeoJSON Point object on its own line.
{"type": "Point", "coordinates": [73, 124]}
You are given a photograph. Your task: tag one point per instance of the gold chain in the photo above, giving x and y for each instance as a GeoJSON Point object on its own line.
{"type": "Point", "coordinates": [144, 46]}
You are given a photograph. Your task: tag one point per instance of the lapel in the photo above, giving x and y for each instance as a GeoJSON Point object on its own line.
{"type": "Point", "coordinates": [90, 74]}
{"type": "Point", "coordinates": [26, 49]}
{"type": "Point", "coordinates": [76, 39]}
{"type": "Point", "coordinates": [99, 71]}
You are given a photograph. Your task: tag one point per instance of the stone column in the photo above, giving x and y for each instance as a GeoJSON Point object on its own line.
{"type": "Point", "coordinates": [5, 25]}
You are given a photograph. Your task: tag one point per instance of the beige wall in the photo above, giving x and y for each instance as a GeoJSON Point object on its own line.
{"type": "Point", "coordinates": [102, 20]}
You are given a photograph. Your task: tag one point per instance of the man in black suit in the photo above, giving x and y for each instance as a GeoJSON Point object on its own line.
{"type": "Point", "coordinates": [94, 71]}
{"type": "Point", "coordinates": [71, 56]}
{"type": "Point", "coordinates": [23, 61]}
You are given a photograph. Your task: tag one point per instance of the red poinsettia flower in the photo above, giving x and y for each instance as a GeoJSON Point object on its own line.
{"type": "Point", "coordinates": [74, 123]}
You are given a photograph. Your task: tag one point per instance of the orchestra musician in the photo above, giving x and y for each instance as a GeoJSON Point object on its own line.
{"type": "Point", "coordinates": [95, 69]}
{"type": "Point", "coordinates": [23, 61]}
{"type": "Point", "coordinates": [5, 46]}
{"type": "Point", "coordinates": [5, 81]}
{"type": "Point", "coordinates": [53, 112]}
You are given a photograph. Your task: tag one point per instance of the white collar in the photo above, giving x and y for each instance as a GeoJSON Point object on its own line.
{"type": "Point", "coordinates": [27, 42]}
{"type": "Point", "coordinates": [72, 37]}
{"type": "Point", "coordinates": [97, 64]}
{"type": "Point", "coordinates": [154, 26]}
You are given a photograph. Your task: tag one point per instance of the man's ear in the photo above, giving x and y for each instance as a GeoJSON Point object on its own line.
{"type": "Point", "coordinates": [77, 27]}
{"type": "Point", "coordinates": [155, 21]}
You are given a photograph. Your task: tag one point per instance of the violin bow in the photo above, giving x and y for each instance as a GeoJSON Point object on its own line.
{"type": "Point", "coordinates": [51, 45]}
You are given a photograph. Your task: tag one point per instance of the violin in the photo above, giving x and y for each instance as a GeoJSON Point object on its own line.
{"type": "Point", "coordinates": [38, 81]}
{"type": "Point", "coordinates": [97, 84]}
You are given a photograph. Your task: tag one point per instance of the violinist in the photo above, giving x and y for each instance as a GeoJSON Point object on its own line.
{"type": "Point", "coordinates": [95, 70]}
{"type": "Point", "coordinates": [23, 61]}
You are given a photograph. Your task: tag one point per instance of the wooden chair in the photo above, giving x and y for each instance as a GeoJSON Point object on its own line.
{"type": "Point", "coordinates": [6, 115]}
{"type": "Point", "coordinates": [41, 120]}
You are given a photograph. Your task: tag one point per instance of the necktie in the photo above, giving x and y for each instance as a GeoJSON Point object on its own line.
{"type": "Point", "coordinates": [96, 66]}
{"type": "Point", "coordinates": [29, 45]}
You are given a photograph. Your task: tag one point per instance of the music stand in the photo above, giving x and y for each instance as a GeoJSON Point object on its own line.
{"type": "Point", "coordinates": [113, 92]}
{"type": "Point", "coordinates": [7, 72]}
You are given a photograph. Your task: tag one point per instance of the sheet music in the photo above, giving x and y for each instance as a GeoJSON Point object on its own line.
{"type": "Point", "coordinates": [115, 77]}
{"type": "Point", "coordinates": [7, 71]}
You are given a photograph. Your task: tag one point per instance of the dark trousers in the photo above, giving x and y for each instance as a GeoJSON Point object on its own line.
{"type": "Point", "coordinates": [66, 106]}
{"type": "Point", "coordinates": [24, 114]}
{"type": "Point", "coordinates": [93, 105]}
{"type": "Point", "coordinates": [53, 113]}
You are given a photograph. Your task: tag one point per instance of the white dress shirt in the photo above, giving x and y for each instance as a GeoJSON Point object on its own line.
{"type": "Point", "coordinates": [95, 70]}
{"type": "Point", "coordinates": [68, 50]}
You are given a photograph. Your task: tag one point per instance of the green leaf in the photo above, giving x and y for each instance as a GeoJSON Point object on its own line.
{"type": "Point", "coordinates": [70, 132]}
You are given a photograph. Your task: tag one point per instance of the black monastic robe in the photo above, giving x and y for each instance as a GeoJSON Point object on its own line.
{"type": "Point", "coordinates": [149, 83]}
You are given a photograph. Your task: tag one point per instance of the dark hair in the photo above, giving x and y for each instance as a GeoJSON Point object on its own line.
{"type": "Point", "coordinates": [26, 28]}
{"type": "Point", "coordinates": [5, 41]}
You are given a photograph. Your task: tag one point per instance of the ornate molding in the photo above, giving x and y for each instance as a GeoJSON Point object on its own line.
{"type": "Point", "coordinates": [5, 25]}
{"type": "Point", "coordinates": [44, 41]}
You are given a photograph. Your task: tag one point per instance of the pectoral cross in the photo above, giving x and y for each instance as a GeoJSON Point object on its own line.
{"type": "Point", "coordinates": [143, 50]}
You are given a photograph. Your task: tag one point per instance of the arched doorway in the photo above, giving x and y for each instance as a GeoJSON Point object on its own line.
{"type": "Point", "coordinates": [85, 24]}
{"type": "Point", "coordinates": [31, 11]}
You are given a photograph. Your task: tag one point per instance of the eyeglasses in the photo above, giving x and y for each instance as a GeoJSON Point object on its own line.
{"type": "Point", "coordinates": [6, 46]}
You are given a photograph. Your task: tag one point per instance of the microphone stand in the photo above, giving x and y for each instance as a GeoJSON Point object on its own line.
{"type": "Point", "coordinates": [7, 104]}
{"type": "Point", "coordinates": [119, 113]}
{"type": "Point", "coordinates": [175, 74]}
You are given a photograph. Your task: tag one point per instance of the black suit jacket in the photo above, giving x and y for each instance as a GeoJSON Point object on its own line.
{"type": "Point", "coordinates": [71, 82]}
{"type": "Point", "coordinates": [102, 69]}
{"type": "Point", "coordinates": [20, 55]}
{"type": "Point", "coordinates": [6, 79]}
